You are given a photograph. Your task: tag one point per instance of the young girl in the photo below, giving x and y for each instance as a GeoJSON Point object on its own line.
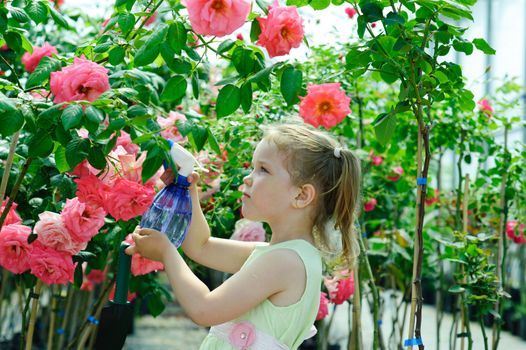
{"type": "Point", "coordinates": [301, 179]}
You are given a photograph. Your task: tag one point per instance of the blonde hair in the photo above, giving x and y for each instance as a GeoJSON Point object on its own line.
{"type": "Point", "coordinates": [311, 159]}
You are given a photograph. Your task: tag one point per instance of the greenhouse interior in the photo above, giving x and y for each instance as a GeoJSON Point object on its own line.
{"type": "Point", "coordinates": [285, 174]}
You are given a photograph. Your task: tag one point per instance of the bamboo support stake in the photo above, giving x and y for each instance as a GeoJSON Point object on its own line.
{"type": "Point", "coordinates": [355, 342]}
{"type": "Point", "coordinates": [34, 309]}
{"type": "Point", "coordinates": [53, 318]}
{"type": "Point", "coordinates": [65, 320]}
{"type": "Point", "coordinates": [465, 230]}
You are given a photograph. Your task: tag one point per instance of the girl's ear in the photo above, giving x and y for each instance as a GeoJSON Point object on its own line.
{"type": "Point", "coordinates": [305, 196]}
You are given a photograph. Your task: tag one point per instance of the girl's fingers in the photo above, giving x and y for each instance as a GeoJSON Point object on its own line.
{"type": "Point", "coordinates": [130, 250]}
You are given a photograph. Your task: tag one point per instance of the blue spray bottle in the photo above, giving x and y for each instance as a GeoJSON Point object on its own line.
{"type": "Point", "coordinates": [171, 210]}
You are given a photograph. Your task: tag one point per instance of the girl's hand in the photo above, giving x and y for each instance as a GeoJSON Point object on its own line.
{"type": "Point", "coordinates": [151, 244]}
{"type": "Point", "coordinates": [168, 177]}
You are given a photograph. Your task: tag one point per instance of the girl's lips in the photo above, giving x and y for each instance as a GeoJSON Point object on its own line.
{"type": "Point", "coordinates": [246, 195]}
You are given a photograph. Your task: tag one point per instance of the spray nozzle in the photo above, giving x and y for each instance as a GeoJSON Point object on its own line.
{"type": "Point", "coordinates": [183, 159]}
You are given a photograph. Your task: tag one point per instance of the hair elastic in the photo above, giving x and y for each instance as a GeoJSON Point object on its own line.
{"type": "Point", "coordinates": [337, 152]}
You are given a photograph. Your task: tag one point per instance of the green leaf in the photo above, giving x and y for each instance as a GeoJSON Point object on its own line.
{"type": "Point", "coordinates": [372, 11]}
{"type": "Point", "coordinates": [126, 22]}
{"type": "Point", "coordinates": [195, 86]}
{"type": "Point", "coordinates": [116, 55]}
{"type": "Point", "coordinates": [255, 30]}
{"type": "Point", "coordinates": [384, 126]}
{"type": "Point", "coordinates": [290, 86]}
{"type": "Point", "coordinates": [94, 115]}
{"type": "Point", "coordinates": [175, 89]}
{"type": "Point", "coordinates": [31, 238]}
{"type": "Point", "coordinates": [463, 46]}
{"type": "Point", "coordinates": [146, 55]}
{"type": "Point", "coordinates": [76, 151]}
{"type": "Point", "coordinates": [78, 276]}
{"type": "Point", "coordinates": [72, 116]}
{"type": "Point", "coordinates": [320, 4]}
{"type": "Point", "coordinates": [212, 141]}
{"type": "Point", "coordinates": [43, 71]}
{"type": "Point", "coordinates": [442, 78]}
{"type": "Point", "coordinates": [456, 289]}
{"type": "Point", "coordinates": [177, 37]}
{"type": "Point", "coordinates": [11, 120]}
{"type": "Point", "coordinates": [37, 10]}
{"type": "Point", "coordinates": [13, 40]}
{"type": "Point", "coordinates": [244, 61]}
{"type": "Point", "coordinates": [226, 45]}
{"type": "Point", "coordinates": [246, 97]}
{"type": "Point", "coordinates": [58, 18]}
{"type": "Point", "coordinates": [18, 14]}
{"type": "Point", "coordinates": [483, 46]}
{"type": "Point", "coordinates": [60, 159]}
{"type": "Point", "coordinates": [199, 134]}
{"type": "Point", "coordinates": [153, 162]}
{"type": "Point", "coordinates": [389, 73]}
{"type": "Point", "coordinates": [97, 158]}
{"type": "Point", "coordinates": [155, 304]}
{"type": "Point", "coordinates": [40, 145]}
{"type": "Point", "coordinates": [228, 100]}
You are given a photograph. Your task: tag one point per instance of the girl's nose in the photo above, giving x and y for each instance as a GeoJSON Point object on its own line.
{"type": "Point", "coordinates": [247, 180]}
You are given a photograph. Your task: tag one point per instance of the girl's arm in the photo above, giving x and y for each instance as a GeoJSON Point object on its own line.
{"type": "Point", "coordinates": [216, 253]}
{"type": "Point", "coordinates": [272, 273]}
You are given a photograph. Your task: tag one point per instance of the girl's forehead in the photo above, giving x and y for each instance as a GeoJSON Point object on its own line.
{"type": "Point", "coordinates": [267, 152]}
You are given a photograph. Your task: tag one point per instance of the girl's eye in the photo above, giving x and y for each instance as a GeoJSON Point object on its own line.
{"type": "Point", "coordinates": [264, 169]}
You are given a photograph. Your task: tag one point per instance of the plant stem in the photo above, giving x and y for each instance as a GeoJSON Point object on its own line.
{"type": "Point", "coordinates": [481, 320]}
{"type": "Point", "coordinates": [501, 231]}
{"type": "Point", "coordinates": [65, 319]}
{"type": "Point", "coordinates": [34, 309]}
{"type": "Point", "coordinates": [14, 191]}
{"type": "Point", "coordinates": [374, 290]}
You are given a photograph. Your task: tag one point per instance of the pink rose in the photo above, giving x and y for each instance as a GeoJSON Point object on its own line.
{"type": "Point", "coordinates": [91, 190]}
{"type": "Point", "coordinates": [140, 265]}
{"type": "Point", "coordinates": [434, 199]}
{"type": "Point", "coordinates": [14, 249]}
{"type": "Point", "coordinates": [31, 61]}
{"type": "Point", "coordinates": [217, 17]}
{"type": "Point", "coordinates": [515, 231]}
{"type": "Point", "coordinates": [131, 168]}
{"type": "Point", "coordinates": [323, 309]}
{"type": "Point", "coordinates": [169, 129]}
{"type": "Point", "coordinates": [151, 19]}
{"type": "Point", "coordinates": [82, 220]}
{"type": "Point", "coordinates": [485, 107]}
{"type": "Point", "coordinates": [398, 171]}
{"type": "Point", "coordinates": [342, 290]}
{"type": "Point", "coordinates": [128, 199]}
{"type": "Point", "coordinates": [281, 31]}
{"type": "Point", "coordinates": [239, 36]}
{"type": "Point", "coordinates": [51, 266]}
{"type": "Point", "coordinates": [242, 335]}
{"type": "Point", "coordinates": [376, 160]}
{"type": "Point", "coordinates": [12, 217]}
{"type": "Point", "coordinates": [325, 104]}
{"type": "Point", "coordinates": [249, 231]}
{"type": "Point", "coordinates": [370, 205]}
{"type": "Point", "coordinates": [126, 142]}
{"type": "Point", "coordinates": [350, 11]}
{"type": "Point", "coordinates": [96, 276]}
{"type": "Point", "coordinates": [53, 234]}
{"type": "Point", "coordinates": [83, 80]}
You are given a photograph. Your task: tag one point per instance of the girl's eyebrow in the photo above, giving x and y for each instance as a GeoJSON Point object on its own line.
{"type": "Point", "coordinates": [260, 162]}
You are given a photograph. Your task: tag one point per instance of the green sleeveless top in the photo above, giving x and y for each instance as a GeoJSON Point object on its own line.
{"type": "Point", "coordinates": [289, 324]}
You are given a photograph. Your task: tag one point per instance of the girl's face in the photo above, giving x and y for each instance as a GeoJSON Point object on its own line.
{"type": "Point", "coordinates": [269, 193]}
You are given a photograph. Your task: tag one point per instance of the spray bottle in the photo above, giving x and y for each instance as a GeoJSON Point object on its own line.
{"type": "Point", "coordinates": [171, 210]}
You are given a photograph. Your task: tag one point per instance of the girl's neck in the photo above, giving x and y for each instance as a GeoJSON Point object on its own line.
{"type": "Point", "coordinates": [291, 229]}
